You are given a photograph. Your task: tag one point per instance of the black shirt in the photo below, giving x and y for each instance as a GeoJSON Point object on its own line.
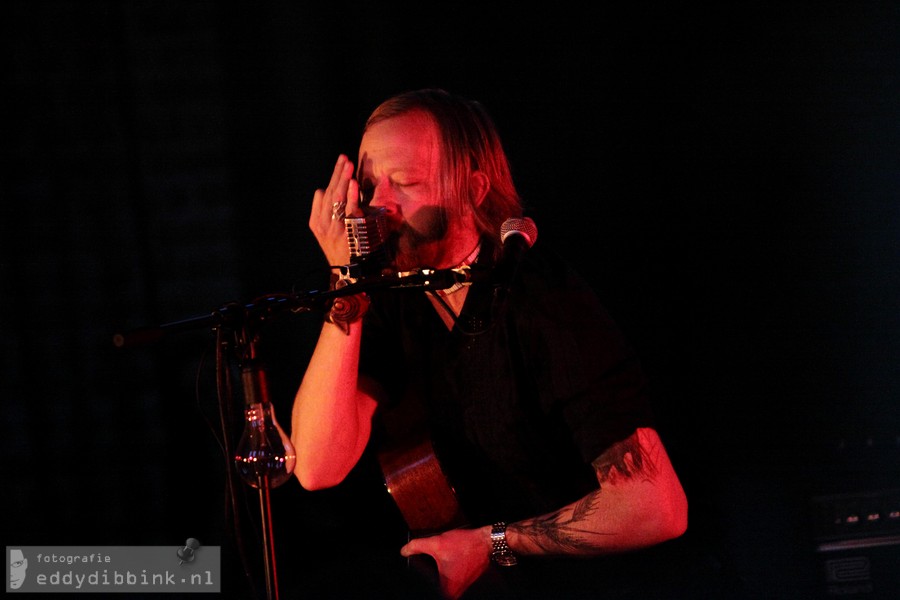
{"type": "Point", "coordinates": [518, 400]}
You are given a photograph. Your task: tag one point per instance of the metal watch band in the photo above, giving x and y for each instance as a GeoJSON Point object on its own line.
{"type": "Point", "coordinates": [500, 552]}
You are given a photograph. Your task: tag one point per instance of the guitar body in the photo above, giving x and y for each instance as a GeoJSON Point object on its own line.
{"type": "Point", "coordinates": [412, 470]}
{"type": "Point", "coordinates": [418, 485]}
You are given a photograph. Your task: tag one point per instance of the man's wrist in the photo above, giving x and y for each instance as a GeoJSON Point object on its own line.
{"type": "Point", "coordinates": [500, 551]}
{"type": "Point", "coordinates": [345, 310]}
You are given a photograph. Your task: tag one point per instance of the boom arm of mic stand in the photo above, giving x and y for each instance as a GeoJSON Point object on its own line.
{"type": "Point", "coordinates": [267, 307]}
{"type": "Point", "coordinates": [262, 308]}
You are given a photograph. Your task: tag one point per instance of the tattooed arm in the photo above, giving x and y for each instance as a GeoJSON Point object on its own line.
{"type": "Point", "coordinates": [639, 503]}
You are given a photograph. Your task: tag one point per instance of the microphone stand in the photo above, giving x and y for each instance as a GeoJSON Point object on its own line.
{"type": "Point", "coordinates": [271, 305]}
{"type": "Point", "coordinates": [265, 456]}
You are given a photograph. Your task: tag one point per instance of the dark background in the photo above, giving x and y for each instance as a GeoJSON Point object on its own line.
{"type": "Point", "coordinates": [726, 177]}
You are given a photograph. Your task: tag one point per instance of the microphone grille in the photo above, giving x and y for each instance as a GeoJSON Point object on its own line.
{"type": "Point", "coordinates": [519, 226]}
{"type": "Point", "coordinates": [365, 234]}
{"type": "Point", "coordinates": [366, 238]}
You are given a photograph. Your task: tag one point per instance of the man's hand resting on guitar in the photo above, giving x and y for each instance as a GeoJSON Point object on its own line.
{"type": "Point", "coordinates": [462, 556]}
{"type": "Point", "coordinates": [639, 503]}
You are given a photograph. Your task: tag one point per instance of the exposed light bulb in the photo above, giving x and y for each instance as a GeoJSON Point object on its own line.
{"type": "Point", "coordinates": [264, 456]}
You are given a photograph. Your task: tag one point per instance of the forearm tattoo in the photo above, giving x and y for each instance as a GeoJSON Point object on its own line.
{"type": "Point", "coordinates": [624, 460]}
{"type": "Point", "coordinates": [556, 533]}
{"type": "Point", "coordinates": [561, 532]}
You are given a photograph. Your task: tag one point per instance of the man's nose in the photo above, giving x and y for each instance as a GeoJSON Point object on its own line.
{"type": "Point", "coordinates": [382, 198]}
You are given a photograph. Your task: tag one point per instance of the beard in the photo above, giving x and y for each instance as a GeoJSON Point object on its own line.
{"type": "Point", "coordinates": [419, 242]}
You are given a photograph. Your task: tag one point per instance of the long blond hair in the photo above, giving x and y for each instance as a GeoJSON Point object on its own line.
{"type": "Point", "coordinates": [469, 142]}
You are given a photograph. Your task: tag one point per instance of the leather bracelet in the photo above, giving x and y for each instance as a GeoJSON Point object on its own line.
{"type": "Point", "coordinates": [500, 552]}
{"type": "Point", "coordinates": [346, 309]}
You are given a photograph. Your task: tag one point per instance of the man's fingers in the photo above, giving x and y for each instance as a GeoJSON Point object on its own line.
{"type": "Point", "coordinates": [353, 209]}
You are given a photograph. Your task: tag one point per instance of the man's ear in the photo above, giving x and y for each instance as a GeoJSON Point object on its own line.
{"type": "Point", "coordinates": [479, 185]}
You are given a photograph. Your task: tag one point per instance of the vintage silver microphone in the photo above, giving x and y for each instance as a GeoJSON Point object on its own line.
{"type": "Point", "coordinates": [365, 236]}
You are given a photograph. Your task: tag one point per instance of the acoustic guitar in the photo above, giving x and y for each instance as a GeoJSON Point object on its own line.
{"type": "Point", "coordinates": [419, 487]}
{"type": "Point", "coordinates": [413, 474]}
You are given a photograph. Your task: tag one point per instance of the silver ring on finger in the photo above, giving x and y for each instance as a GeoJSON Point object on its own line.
{"type": "Point", "coordinates": [337, 210]}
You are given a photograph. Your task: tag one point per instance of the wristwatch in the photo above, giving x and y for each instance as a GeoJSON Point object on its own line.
{"type": "Point", "coordinates": [500, 552]}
